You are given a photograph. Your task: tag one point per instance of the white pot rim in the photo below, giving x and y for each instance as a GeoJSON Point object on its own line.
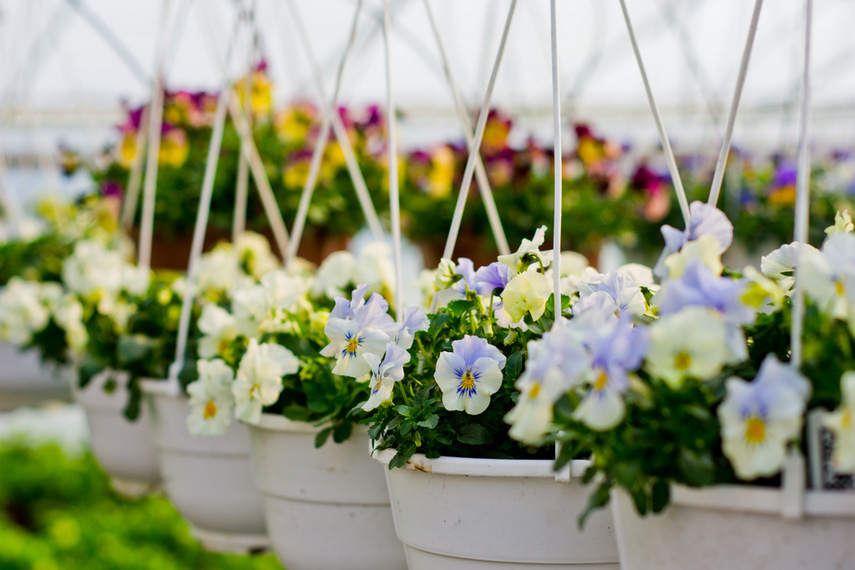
{"type": "Point", "coordinates": [159, 387]}
{"type": "Point", "coordinates": [278, 422]}
{"type": "Point", "coordinates": [762, 500]}
{"type": "Point", "coordinates": [477, 467]}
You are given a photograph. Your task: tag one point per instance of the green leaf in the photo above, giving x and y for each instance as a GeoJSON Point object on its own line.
{"type": "Point", "coordinates": [403, 410]}
{"type": "Point", "coordinates": [132, 408]}
{"type": "Point", "coordinates": [430, 423]}
{"type": "Point", "coordinates": [661, 495]}
{"type": "Point", "coordinates": [322, 436]}
{"type": "Point", "coordinates": [514, 365]}
{"type": "Point", "coordinates": [598, 499]}
{"type": "Point", "coordinates": [342, 431]}
{"type": "Point", "coordinates": [640, 500]}
{"type": "Point", "coordinates": [133, 348]}
{"type": "Point", "coordinates": [461, 306]}
{"type": "Point", "coordinates": [697, 470]}
{"type": "Point", "coordinates": [475, 434]}
{"type": "Point", "coordinates": [87, 371]}
{"type": "Point", "coordinates": [436, 323]}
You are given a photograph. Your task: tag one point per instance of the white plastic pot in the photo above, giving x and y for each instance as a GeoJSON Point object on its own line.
{"type": "Point", "coordinates": [326, 507]}
{"type": "Point", "coordinates": [463, 513]}
{"type": "Point", "coordinates": [208, 479]}
{"type": "Point", "coordinates": [123, 448]}
{"type": "Point", "coordinates": [25, 381]}
{"type": "Point", "coordinates": [734, 526]}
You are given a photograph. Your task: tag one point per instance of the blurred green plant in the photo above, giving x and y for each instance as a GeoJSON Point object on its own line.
{"type": "Point", "coordinates": [58, 513]}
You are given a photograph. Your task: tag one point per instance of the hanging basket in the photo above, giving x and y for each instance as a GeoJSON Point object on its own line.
{"type": "Point", "coordinates": [326, 507]}
{"type": "Point", "coordinates": [464, 513]}
{"type": "Point", "coordinates": [208, 479]}
{"type": "Point", "coordinates": [26, 381]}
{"type": "Point", "coordinates": [737, 526]}
{"type": "Point", "coordinates": [123, 448]}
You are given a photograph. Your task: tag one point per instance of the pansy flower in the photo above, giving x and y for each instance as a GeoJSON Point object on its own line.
{"type": "Point", "coordinates": [759, 418]}
{"type": "Point", "coordinates": [615, 350]}
{"type": "Point", "coordinates": [211, 400]}
{"type": "Point", "coordinates": [842, 423]}
{"type": "Point", "coordinates": [384, 374]}
{"type": "Point", "coordinates": [704, 220]}
{"type": "Point", "coordinates": [689, 344]}
{"type": "Point", "coordinates": [355, 328]}
{"type": "Point", "coordinates": [469, 375]}
{"type": "Point", "coordinates": [259, 378]}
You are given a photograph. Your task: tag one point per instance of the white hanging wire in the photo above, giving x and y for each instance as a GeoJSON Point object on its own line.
{"type": "Point", "coordinates": [557, 158]}
{"type": "Point", "coordinates": [663, 137]}
{"type": "Point", "coordinates": [476, 143]}
{"type": "Point", "coordinates": [320, 147]}
{"type": "Point", "coordinates": [353, 168]}
{"type": "Point", "coordinates": [200, 227]}
{"type": "Point", "coordinates": [242, 188]}
{"type": "Point", "coordinates": [155, 119]}
{"type": "Point", "coordinates": [256, 166]}
{"type": "Point", "coordinates": [392, 148]}
{"type": "Point", "coordinates": [802, 210]}
{"type": "Point", "coordinates": [718, 177]}
{"type": "Point", "coordinates": [119, 48]}
{"type": "Point", "coordinates": [480, 171]}
{"type": "Point", "coordinates": [129, 206]}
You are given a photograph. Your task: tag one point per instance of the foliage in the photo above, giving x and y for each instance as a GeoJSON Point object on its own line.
{"type": "Point", "coordinates": [415, 419]}
{"type": "Point", "coordinates": [58, 512]}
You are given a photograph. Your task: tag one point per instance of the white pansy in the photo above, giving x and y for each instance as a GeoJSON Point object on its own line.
{"type": "Point", "coordinates": [349, 343]}
{"type": "Point", "coordinates": [445, 274]}
{"type": "Point", "coordinates": [555, 363]}
{"type": "Point", "coordinates": [375, 267]}
{"type": "Point", "coordinates": [602, 408]}
{"type": "Point", "coordinates": [758, 419]}
{"type": "Point", "coordinates": [211, 400]}
{"type": "Point", "coordinates": [284, 291]}
{"type": "Point", "coordinates": [706, 250]}
{"type": "Point", "coordinates": [762, 294]}
{"type": "Point", "coordinates": [254, 251]}
{"type": "Point", "coordinates": [842, 423]}
{"type": "Point", "coordinates": [335, 274]}
{"type": "Point", "coordinates": [526, 293]}
{"type": "Point", "coordinates": [829, 277]}
{"type": "Point", "coordinates": [93, 269]}
{"type": "Point", "coordinates": [842, 224]}
{"type": "Point", "coordinates": [469, 375]}
{"type": "Point", "coordinates": [624, 290]}
{"type": "Point", "coordinates": [528, 252]}
{"type": "Point", "coordinates": [22, 311]}
{"type": "Point", "coordinates": [218, 330]}
{"type": "Point", "coordinates": [135, 280]}
{"type": "Point", "coordinates": [219, 272]}
{"type": "Point", "coordinates": [780, 264]}
{"type": "Point", "coordinates": [692, 343]}
{"type": "Point", "coordinates": [251, 307]}
{"type": "Point", "coordinates": [259, 378]}
{"type": "Point", "coordinates": [384, 374]}
{"type": "Point", "coordinates": [68, 314]}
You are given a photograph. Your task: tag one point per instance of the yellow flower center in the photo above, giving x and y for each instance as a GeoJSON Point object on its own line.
{"type": "Point", "coordinates": [210, 410]}
{"type": "Point", "coordinates": [534, 391]}
{"type": "Point", "coordinates": [846, 420]}
{"type": "Point", "coordinates": [254, 392]}
{"type": "Point", "coordinates": [352, 345]}
{"type": "Point", "coordinates": [467, 382]}
{"type": "Point", "coordinates": [682, 361]}
{"type": "Point", "coordinates": [602, 380]}
{"type": "Point", "coordinates": [841, 290]}
{"type": "Point", "coordinates": [755, 430]}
